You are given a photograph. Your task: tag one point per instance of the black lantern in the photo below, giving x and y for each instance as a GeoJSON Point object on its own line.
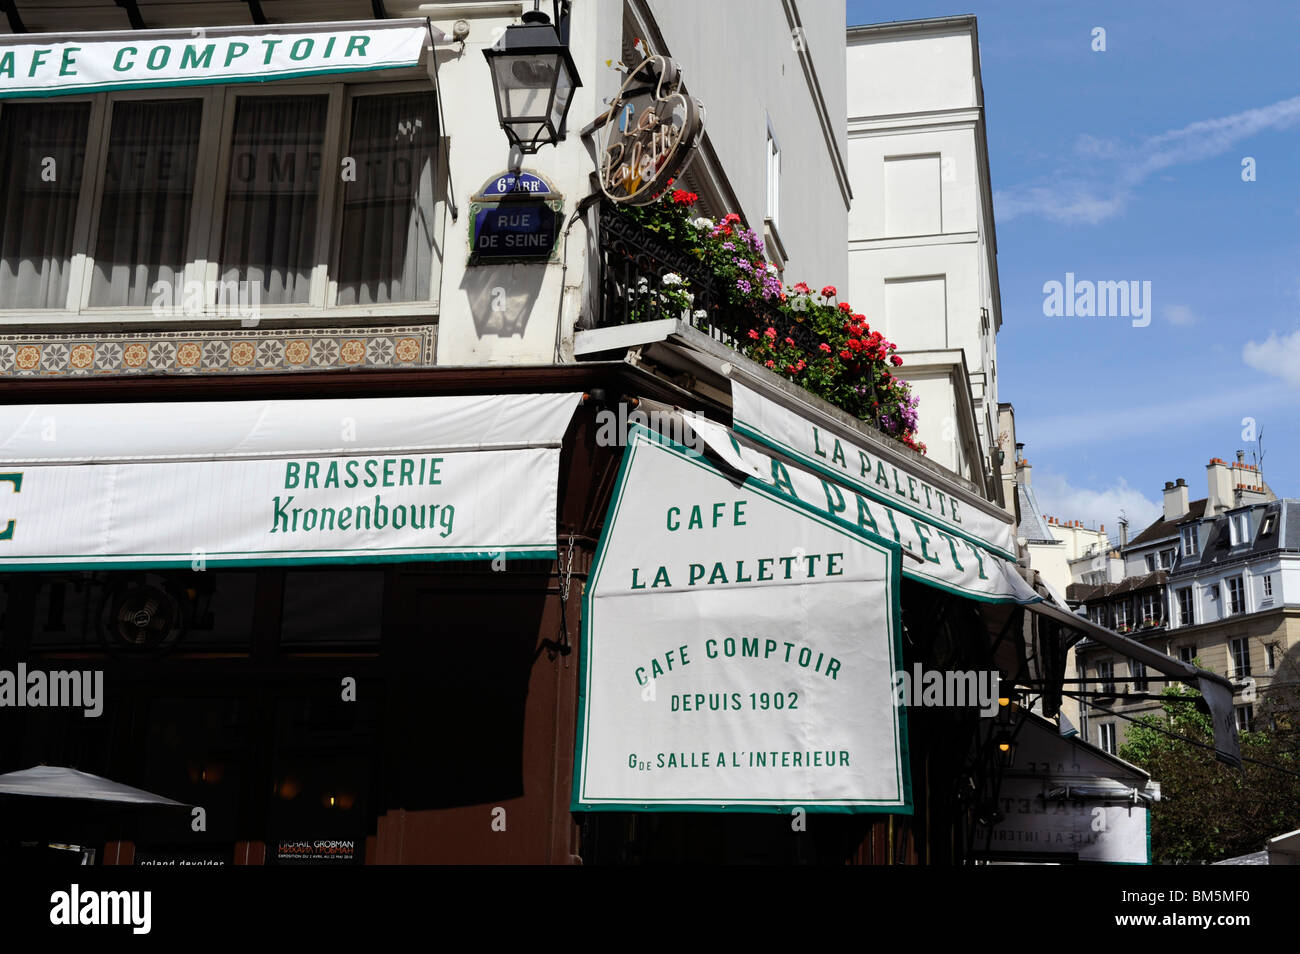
{"type": "Point", "coordinates": [533, 77]}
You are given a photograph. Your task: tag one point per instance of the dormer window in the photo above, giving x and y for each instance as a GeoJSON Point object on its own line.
{"type": "Point", "coordinates": [1270, 521]}
{"type": "Point", "coordinates": [1191, 542]}
{"type": "Point", "coordinates": [1239, 528]}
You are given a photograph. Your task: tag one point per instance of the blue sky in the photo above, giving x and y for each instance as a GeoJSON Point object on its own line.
{"type": "Point", "coordinates": [1127, 165]}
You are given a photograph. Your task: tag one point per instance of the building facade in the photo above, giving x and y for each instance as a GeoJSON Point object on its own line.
{"type": "Point", "coordinates": [1206, 582]}
{"type": "Point", "coordinates": [922, 239]}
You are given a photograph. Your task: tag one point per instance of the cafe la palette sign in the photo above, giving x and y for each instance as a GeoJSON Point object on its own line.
{"type": "Point", "coordinates": [651, 132]}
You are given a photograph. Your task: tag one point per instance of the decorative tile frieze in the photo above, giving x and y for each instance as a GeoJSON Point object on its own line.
{"type": "Point", "coordinates": [232, 351]}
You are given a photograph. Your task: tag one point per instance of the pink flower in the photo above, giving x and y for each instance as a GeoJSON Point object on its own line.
{"type": "Point", "coordinates": [753, 334]}
{"type": "Point", "coordinates": [771, 332]}
{"type": "Point", "coordinates": [825, 347]}
{"type": "Point", "coordinates": [770, 363]}
{"type": "Point", "coordinates": [790, 341]}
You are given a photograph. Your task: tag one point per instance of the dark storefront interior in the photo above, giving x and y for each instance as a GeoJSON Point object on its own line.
{"type": "Point", "coordinates": [226, 689]}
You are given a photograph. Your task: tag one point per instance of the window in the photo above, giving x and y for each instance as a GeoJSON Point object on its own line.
{"type": "Point", "coordinates": [1106, 737]}
{"type": "Point", "coordinates": [1236, 595]}
{"type": "Point", "coordinates": [1185, 617]}
{"type": "Point", "coordinates": [1105, 678]}
{"type": "Point", "coordinates": [1240, 656]}
{"type": "Point", "coordinates": [193, 197]}
{"type": "Point", "coordinates": [1270, 657]}
{"type": "Point", "coordinates": [1245, 717]}
{"type": "Point", "coordinates": [1268, 584]}
{"type": "Point", "coordinates": [1239, 528]}
{"type": "Point", "coordinates": [1151, 562]}
{"type": "Point", "coordinates": [1270, 521]}
{"type": "Point", "coordinates": [1191, 544]}
{"type": "Point", "coordinates": [1097, 613]}
{"type": "Point", "coordinates": [42, 159]}
{"type": "Point", "coordinates": [1139, 673]}
{"type": "Point", "coordinates": [1152, 610]}
{"type": "Point", "coordinates": [1167, 559]}
{"type": "Point", "coordinates": [1123, 615]}
{"type": "Point", "coordinates": [1187, 653]}
{"type": "Point", "coordinates": [773, 206]}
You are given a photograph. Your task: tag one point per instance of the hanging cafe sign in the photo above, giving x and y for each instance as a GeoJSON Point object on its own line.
{"type": "Point", "coordinates": [651, 131]}
{"type": "Point", "coordinates": [64, 64]}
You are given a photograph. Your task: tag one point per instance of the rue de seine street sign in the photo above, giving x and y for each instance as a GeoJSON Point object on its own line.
{"type": "Point", "coordinates": [515, 217]}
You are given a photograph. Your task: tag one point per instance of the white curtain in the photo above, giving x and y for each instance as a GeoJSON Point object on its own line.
{"type": "Point", "coordinates": [42, 154]}
{"type": "Point", "coordinates": [144, 216]}
{"type": "Point", "coordinates": [386, 251]}
{"type": "Point", "coordinates": [271, 202]}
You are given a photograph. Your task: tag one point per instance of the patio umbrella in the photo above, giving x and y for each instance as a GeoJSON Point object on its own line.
{"type": "Point", "coordinates": [53, 801]}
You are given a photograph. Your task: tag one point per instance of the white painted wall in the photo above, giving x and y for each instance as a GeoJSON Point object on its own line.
{"type": "Point", "coordinates": [918, 222]}
{"type": "Point", "coordinates": [515, 314]}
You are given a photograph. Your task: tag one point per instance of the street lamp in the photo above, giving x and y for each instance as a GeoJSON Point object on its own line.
{"type": "Point", "coordinates": [533, 77]}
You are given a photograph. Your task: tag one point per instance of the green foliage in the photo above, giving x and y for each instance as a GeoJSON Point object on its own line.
{"type": "Point", "coordinates": [1210, 811]}
{"type": "Point", "coordinates": [846, 362]}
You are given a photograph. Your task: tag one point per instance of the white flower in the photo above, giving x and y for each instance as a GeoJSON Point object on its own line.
{"type": "Point", "coordinates": [643, 285]}
{"type": "Point", "coordinates": [703, 223]}
{"type": "Point", "coordinates": [672, 278]}
{"type": "Point", "coordinates": [699, 313]}
{"type": "Point", "coordinates": [690, 298]}
{"type": "Point", "coordinates": [771, 269]}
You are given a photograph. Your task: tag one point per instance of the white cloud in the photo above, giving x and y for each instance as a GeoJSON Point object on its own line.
{"type": "Point", "coordinates": [1180, 315]}
{"type": "Point", "coordinates": [1278, 356]}
{"type": "Point", "coordinates": [1104, 173]}
{"type": "Point", "coordinates": [1061, 499]}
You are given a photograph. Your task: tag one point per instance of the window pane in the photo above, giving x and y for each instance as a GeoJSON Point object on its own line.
{"type": "Point", "coordinates": [144, 217]}
{"type": "Point", "coordinates": [42, 152]}
{"type": "Point", "coordinates": [386, 250]}
{"type": "Point", "coordinates": [271, 199]}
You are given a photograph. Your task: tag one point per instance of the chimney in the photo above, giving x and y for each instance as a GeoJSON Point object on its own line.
{"type": "Point", "coordinates": [1022, 471]}
{"type": "Point", "coordinates": [1123, 532]}
{"type": "Point", "coordinates": [1175, 499]}
{"type": "Point", "coordinates": [1219, 484]}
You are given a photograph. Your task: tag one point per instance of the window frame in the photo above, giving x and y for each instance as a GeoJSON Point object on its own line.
{"type": "Point", "coordinates": [1139, 673]}
{"type": "Point", "coordinates": [1106, 677]}
{"type": "Point", "coordinates": [1106, 737]}
{"type": "Point", "coordinates": [1186, 607]}
{"type": "Point", "coordinates": [1190, 534]}
{"type": "Point", "coordinates": [1244, 713]}
{"type": "Point", "coordinates": [1239, 653]}
{"type": "Point", "coordinates": [208, 211]}
{"type": "Point", "coordinates": [772, 165]}
{"type": "Point", "coordinates": [197, 249]}
{"type": "Point", "coordinates": [1236, 596]}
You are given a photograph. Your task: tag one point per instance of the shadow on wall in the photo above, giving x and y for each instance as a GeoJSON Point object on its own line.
{"type": "Point", "coordinates": [502, 298]}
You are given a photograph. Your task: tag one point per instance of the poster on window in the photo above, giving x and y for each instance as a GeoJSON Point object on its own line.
{"type": "Point", "coordinates": [737, 651]}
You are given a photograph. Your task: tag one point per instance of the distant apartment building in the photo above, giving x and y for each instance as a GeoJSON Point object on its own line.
{"type": "Point", "coordinates": [1216, 580]}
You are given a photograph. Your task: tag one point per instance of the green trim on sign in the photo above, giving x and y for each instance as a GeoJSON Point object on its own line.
{"type": "Point", "coordinates": [638, 437]}
{"type": "Point", "coordinates": [360, 556]}
{"type": "Point", "coordinates": [86, 88]}
{"type": "Point", "coordinates": [865, 489]}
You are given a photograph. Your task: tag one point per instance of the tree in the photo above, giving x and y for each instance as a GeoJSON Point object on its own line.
{"type": "Point", "coordinates": [1209, 811]}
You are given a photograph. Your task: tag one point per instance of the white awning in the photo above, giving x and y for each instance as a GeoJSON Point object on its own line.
{"type": "Point", "coordinates": [244, 483]}
{"type": "Point", "coordinates": [1064, 799]}
{"type": "Point", "coordinates": [58, 64]}
{"type": "Point", "coordinates": [946, 547]}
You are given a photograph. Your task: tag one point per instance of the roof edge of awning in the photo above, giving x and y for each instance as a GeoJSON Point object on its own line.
{"type": "Point", "coordinates": [200, 32]}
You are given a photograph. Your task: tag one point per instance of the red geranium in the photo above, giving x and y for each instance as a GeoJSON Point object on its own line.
{"type": "Point", "coordinates": [897, 361]}
{"type": "Point", "coordinates": [828, 291]}
{"type": "Point", "coordinates": [844, 306]}
{"type": "Point", "coordinates": [682, 197]}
